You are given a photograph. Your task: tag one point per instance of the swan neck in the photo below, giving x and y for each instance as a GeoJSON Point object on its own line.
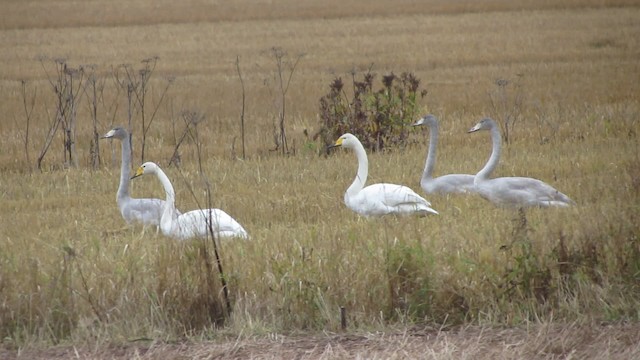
{"type": "Point", "coordinates": [168, 188]}
{"type": "Point", "coordinates": [491, 165]}
{"type": "Point", "coordinates": [431, 153]}
{"type": "Point", "coordinates": [363, 170]}
{"type": "Point", "coordinates": [168, 214]}
{"type": "Point", "coordinates": [125, 169]}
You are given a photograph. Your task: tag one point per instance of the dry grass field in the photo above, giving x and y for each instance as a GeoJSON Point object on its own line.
{"type": "Point", "coordinates": [474, 282]}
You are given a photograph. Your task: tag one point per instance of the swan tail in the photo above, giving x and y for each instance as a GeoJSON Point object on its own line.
{"type": "Point", "coordinates": [567, 199]}
{"type": "Point", "coordinates": [425, 210]}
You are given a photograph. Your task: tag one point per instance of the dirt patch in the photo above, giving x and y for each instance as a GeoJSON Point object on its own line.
{"type": "Point", "coordinates": [549, 341]}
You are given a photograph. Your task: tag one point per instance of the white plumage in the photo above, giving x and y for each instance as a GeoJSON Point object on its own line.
{"type": "Point", "coordinates": [143, 211]}
{"type": "Point", "coordinates": [378, 199]}
{"type": "Point", "coordinates": [192, 224]}
{"type": "Point", "coordinates": [516, 192]}
{"type": "Point", "coordinates": [446, 184]}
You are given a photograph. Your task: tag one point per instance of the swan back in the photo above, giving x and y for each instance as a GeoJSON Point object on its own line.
{"type": "Point", "coordinates": [449, 184]}
{"type": "Point", "coordinates": [144, 211]}
{"type": "Point", "coordinates": [195, 224]}
{"type": "Point", "coordinates": [516, 192]}
{"type": "Point", "coordinates": [386, 199]}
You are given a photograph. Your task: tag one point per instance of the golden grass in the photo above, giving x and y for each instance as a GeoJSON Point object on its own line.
{"type": "Point", "coordinates": [70, 271]}
{"type": "Point", "coordinates": [543, 341]}
{"type": "Point", "coordinates": [64, 13]}
{"type": "Point", "coordinates": [556, 58]}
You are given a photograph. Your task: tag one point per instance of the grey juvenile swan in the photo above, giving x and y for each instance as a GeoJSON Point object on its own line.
{"type": "Point", "coordinates": [378, 199]}
{"type": "Point", "coordinates": [143, 211]}
{"type": "Point", "coordinates": [446, 184]}
{"type": "Point", "coordinates": [516, 192]}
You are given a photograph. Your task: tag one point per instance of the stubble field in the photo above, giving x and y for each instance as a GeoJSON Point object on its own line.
{"type": "Point", "coordinates": [564, 283]}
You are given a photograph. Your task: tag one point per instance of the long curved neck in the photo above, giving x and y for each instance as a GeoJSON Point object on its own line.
{"type": "Point", "coordinates": [125, 169]}
{"type": "Point", "coordinates": [363, 170]}
{"type": "Point", "coordinates": [168, 214]}
{"type": "Point", "coordinates": [168, 189]}
{"type": "Point", "coordinates": [488, 168]}
{"type": "Point", "coordinates": [431, 154]}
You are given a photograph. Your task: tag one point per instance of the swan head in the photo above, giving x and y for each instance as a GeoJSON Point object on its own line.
{"type": "Point", "coordinates": [117, 133]}
{"type": "Point", "coordinates": [347, 141]}
{"type": "Point", "coordinates": [484, 124]}
{"type": "Point", "coordinates": [428, 120]}
{"type": "Point", "coordinates": [145, 169]}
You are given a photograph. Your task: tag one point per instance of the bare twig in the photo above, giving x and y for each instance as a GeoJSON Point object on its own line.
{"type": "Point", "coordinates": [28, 110]}
{"type": "Point", "coordinates": [194, 118]}
{"type": "Point", "coordinates": [191, 119]}
{"type": "Point", "coordinates": [157, 106]}
{"type": "Point", "coordinates": [53, 127]}
{"type": "Point", "coordinates": [137, 85]}
{"type": "Point", "coordinates": [74, 97]}
{"type": "Point", "coordinates": [123, 76]}
{"type": "Point", "coordinates": [97, 311]}
{"type": "Point", "coordinates": [67, 96]}
{"type": "Point", "coordinates": [506, 106]}
{"type": "Point", "coordinates": [243, 104]}
{"type": "Point", "coordinates": [94, 91]}
{"type": "Point", "coordinates": [283, 86]}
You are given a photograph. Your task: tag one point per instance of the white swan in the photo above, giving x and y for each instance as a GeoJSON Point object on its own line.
{"type": "Point", "coordinates": [144, 211]}
{"type": "Point", "coordinates": [378, 199]}
{"type": "Point", "coordinates": [512, 191]}
{"type": "Point", "coordinates": [446, 184]}
{"type": "Point", "coordinates": [194, 223]}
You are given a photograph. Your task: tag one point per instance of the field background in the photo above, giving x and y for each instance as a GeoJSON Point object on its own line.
{"type": "Point", "coordinates": [72, 273]}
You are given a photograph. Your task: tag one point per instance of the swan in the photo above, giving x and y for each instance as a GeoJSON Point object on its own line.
{"type": "Point", "coordinates": [378, 199]}
{"type": "Point", "coordinates": [512, 191]}
{"type": "Point", "coordinates": [194, 223]}
{"type": "Point", "coordinates": [144, 211]}
{"type": "Point", "coordinates": [446, 184]}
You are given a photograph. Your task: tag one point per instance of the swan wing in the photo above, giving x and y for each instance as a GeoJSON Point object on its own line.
{"type": "Point", "coordinates": [143, 211]}
{"type": "Point", "coordinates": [521, 191]}
{"type": "Point", "coordinates": [446, 184]}
{"type": "Point", "coordinates": [195, 223]}
{"type": "Point", "coordinates": [382, 199]}
{"type": "Point", "coordinates": [225, 225]}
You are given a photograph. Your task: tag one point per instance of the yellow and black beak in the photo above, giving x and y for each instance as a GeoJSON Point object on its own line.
{"type": "Point", "coordinates": [337, 144]}
{"type": "Point", "coordinates": [139, 172]}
